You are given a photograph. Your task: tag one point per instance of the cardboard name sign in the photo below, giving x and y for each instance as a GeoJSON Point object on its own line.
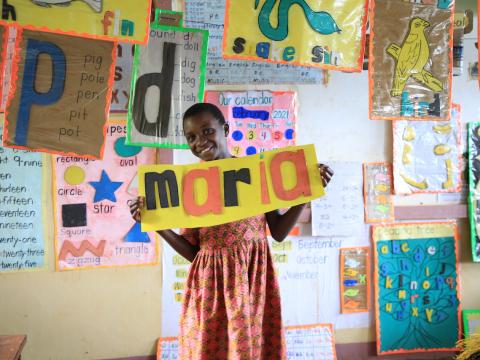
{"type": "Point", "coordinates": [221, 191]}
{"type": "Point", "coordinates": [60, 94]}
{"type": "Point", "coordinates": [124, 20]}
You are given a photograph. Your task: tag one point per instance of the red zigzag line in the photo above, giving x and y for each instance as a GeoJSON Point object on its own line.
{"type": "Point", "coordinates": [68, 247]}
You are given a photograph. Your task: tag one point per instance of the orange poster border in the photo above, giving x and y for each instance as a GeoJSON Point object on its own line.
{"type": "Point", "coordinates": [366, 249]}
{"type": "Point", "coordinates": [159, 344]}
{"type": "Point", "coordinates": [375, 281]}
{"type": "Point", "coordinates": [371, 71]}
{"type": "Point", "coordinates": [313, 326]}
{"type": "Point", "coordinates": [358, 68]}
{"type": "Point", "coordinates": [3, 62]}
{"type": "Point", "coordinates": [84, 34]}
{"type": "Point", "coordinates": [13, 88]}
{"type": "Point", "coordinates": [368, 219]}
{"type": "Point", "coordinates": [458, 120]}
{"type": "Point", "coordinates": [56, 249]}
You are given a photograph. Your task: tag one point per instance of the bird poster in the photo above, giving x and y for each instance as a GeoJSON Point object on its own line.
{"type": "Point", "coordinates": [410, 62]}
{"type": "Point", "coordinates": [474, 187]}
{"type": "Point", "coordinates": [168, 77]}
{"type": "Point", "coordinates": [60, 95]}
{"type": "Point", "coordinates": [258, 120]}
{"type": "Point", "coordinates": [327, 34]}
{"type": "Point", "coordinates": [93, 225]}
{"type": "Point", "coordinates": [427, 155]}
{"type": "Point", "coordinates": [417, 291]}
{"type": "Point", "coordinates": [124, 20]}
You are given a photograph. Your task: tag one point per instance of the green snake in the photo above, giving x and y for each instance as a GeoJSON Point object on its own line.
{"type": "Point", "coordinates": [321, 21]}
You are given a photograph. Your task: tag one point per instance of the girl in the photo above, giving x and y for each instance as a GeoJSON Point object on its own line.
{"type": "Point", "coordinates": [231, 308]}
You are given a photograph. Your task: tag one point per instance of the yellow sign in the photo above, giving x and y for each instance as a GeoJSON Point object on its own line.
{"type": "Point", "coordinates": [217, 192]}
{"type": "Point", "coordinates": [124, 20]}
{"type": "Point", "coordinates": [327, 33]}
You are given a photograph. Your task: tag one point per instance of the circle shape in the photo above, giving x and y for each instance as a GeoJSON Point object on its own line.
{"type": "Point", "coordinates": [251, 150]}
{"type": "Point", "coordinates": [124, 150]}
{"type": "Point", "coordinates": [237, 135]}
{"type": "Point", "coordinates": [74, 175]}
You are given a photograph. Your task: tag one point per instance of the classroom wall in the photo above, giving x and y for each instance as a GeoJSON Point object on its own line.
{"type": "Point", "coordinates": [109, 313]}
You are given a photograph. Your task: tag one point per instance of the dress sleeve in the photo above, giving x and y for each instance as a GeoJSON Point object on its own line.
{"type": "Point", "coordinates": [191, 235]}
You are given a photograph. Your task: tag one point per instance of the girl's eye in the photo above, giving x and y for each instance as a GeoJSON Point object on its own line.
{"type": "Point", "coordinates": [209, 131]}
{"type": "Point", "coordinates": [190, 138]}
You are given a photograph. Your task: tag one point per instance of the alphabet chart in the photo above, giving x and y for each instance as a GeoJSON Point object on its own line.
{"type": "Point", "coordinates": [259, 120]}
{"type": "Point", "coordinates": [66, 80]}
{"type": "Point", "coordinates": [416, 287]}
{"type": "Point", "coordinates": [173, 61]}
{"type": "Point", "coordinates": [209, 15]}
{"type": "Point", "coordinates": [22, 245]}
{"type": "Point", "coordinates": [123, 78]}
{"type": "Point", "coordinates": [94, 227]}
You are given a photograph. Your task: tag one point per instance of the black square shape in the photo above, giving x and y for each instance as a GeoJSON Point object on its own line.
{"type": "Point", "coordinates": [74, 215]}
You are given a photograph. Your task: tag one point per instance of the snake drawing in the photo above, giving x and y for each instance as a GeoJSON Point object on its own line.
{"type": "Point", "coordinates": [321, 21]}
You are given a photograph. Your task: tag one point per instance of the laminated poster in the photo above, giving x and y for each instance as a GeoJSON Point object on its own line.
{"type": "Point", "coordinates": [7, 55]}
{"type": "Point", "coordinates": [326, 34]}
{"type": "Point", "coordinates": [209, 15]}
{"type": "Point", "coordinates": [471, 322]}
{"type": "Point", "coordinates": [124, 20]}
{"type": "Point", "coordinates": [122, 79]}
{"type": "Point", "coordinates": [354, 279]}
{"type": "Point", "coordinates": [168, 77]}
{"type": "Point", "coordinates": [302, 342]}
{"type": "Point", "coordinates": [93, 225]}
{"type": "Point", "coordinates": [22, 244]}
{"type": "Point", "coordinates": [221, 191]}
{"type": "Point", "coordinates": [416, 287]}
{"type": "Point", "coordinates": [304, 265]}
{"type": "Point", "coordinates": [411, 59]}
{"type": "Point", "coordinates": [427, 155]}
{"type": "Point", "coordinates": [259, 120]}
{"type": "Point", "coordinates": [377, 192]}
{"type": "Point", "coordinates": [66, 80]}
{"type": "Point", "coordinates": [474, 187]}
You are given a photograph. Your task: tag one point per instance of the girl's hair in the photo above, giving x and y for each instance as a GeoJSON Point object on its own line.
{"type": "Point", "coordinates": [200, 108]}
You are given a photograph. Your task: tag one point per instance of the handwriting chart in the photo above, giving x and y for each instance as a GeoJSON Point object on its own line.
{"type": "Point", "coordinates": [22, 244]}
{"type": "Point", "coordinates": [310, 342]}
{"type": "Point", "coordinates": [340, 211]}
{"type": "Point", "coordinates": [209, 15]}
{"type": "Point", "coordinates": [94, 227]}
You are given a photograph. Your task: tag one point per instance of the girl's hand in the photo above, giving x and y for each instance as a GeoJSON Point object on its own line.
{"type": "Point", "coordinates": [325, 173]}
{"type": "Point", "coordinates": [136, 206]}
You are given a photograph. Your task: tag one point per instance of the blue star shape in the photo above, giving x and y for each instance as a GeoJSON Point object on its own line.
{"type": "Point", "coordinates": [105, 188]}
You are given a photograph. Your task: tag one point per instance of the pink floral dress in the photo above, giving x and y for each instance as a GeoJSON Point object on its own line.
{"type": "Point", "coordinates": [231, 308]}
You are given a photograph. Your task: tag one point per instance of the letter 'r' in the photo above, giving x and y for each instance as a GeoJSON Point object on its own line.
{"type": "Point", "coordinates": [29, 95]}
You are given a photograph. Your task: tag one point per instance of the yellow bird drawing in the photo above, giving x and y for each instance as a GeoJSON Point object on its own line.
{"type": "Point", "coordinates": [411, 59]}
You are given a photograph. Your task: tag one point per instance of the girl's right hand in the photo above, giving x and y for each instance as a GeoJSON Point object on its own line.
{"type": "Point", "coordinates": [136, 206]}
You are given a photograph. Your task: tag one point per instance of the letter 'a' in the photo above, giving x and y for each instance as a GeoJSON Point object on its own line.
{"type": "Point", "coordinates": [29, 95]}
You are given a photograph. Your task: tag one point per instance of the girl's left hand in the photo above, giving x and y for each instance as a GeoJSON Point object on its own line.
{"type": "Point", "coordinates": [326, 174]}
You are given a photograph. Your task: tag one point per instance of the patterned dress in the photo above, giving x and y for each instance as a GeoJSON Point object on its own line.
{"type": "Point", "coordinates": [231, 308]}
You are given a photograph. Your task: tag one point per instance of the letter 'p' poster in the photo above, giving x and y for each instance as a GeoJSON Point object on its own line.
{"type": "Point", "coordinates": [416, 287]}
{"type": "Point", "coordinates": [328, 34]}
{"type": "Point", "coordinates": [410, 65]}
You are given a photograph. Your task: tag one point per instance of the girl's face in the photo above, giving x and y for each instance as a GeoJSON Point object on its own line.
{"type": "Point", "coordinates": [206, 138]}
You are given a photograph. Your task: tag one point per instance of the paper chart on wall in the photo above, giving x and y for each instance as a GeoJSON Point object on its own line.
{"type": "Point", "coordinates": [471, 322]}
{"type": "Point", "coordinates": [306, 265]}
{"type": "Point", "coordinates": [209, 15]}
{"type": "Point", "coordinates": [377, 192]}
{"type": "Point", "coordinates": [66, 80]}
{"type": "Point", "coordinates": [327, 34]}
{"type": "Point", "coordinates": [340, 211]}
{"type": "Point", "coordinates": [416, 287]}
{"type": "Point", "coordinates": [172, 62]}
{"type": "Point", "coordinates": [259, 120]}
{"type": "Point", "coordinates": [411, 59]}
{"type": "Point", "coordinates": [427, 155]}
{"type": "Point", "coordinates": [354, 279]}
{"type": "Point", "coordinates": [474, 188]}
{"type": "Point", "coordinates": [22, 244]}
{"type": "Point", "coordinates": [7, 69]}
{"type": "Point", "coordinates": [123, 78]}
{"type": "Point", "coordinates": [93, 225]}
{"type": "Point", "coordinates": [105, 19]}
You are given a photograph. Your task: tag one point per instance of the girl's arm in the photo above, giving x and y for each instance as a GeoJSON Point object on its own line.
{"type": "Point", "coordinates": [177, 242]}
{"type": "Point", "coordinates": [280, 225]}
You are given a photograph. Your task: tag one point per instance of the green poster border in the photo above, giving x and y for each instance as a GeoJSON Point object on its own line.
{"type": "Point", "coordinates": [465, 313]}
{"type": "Point", "coordinates": [136, 64]}
{"type": "Point", "coordinates": [471, 190]}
